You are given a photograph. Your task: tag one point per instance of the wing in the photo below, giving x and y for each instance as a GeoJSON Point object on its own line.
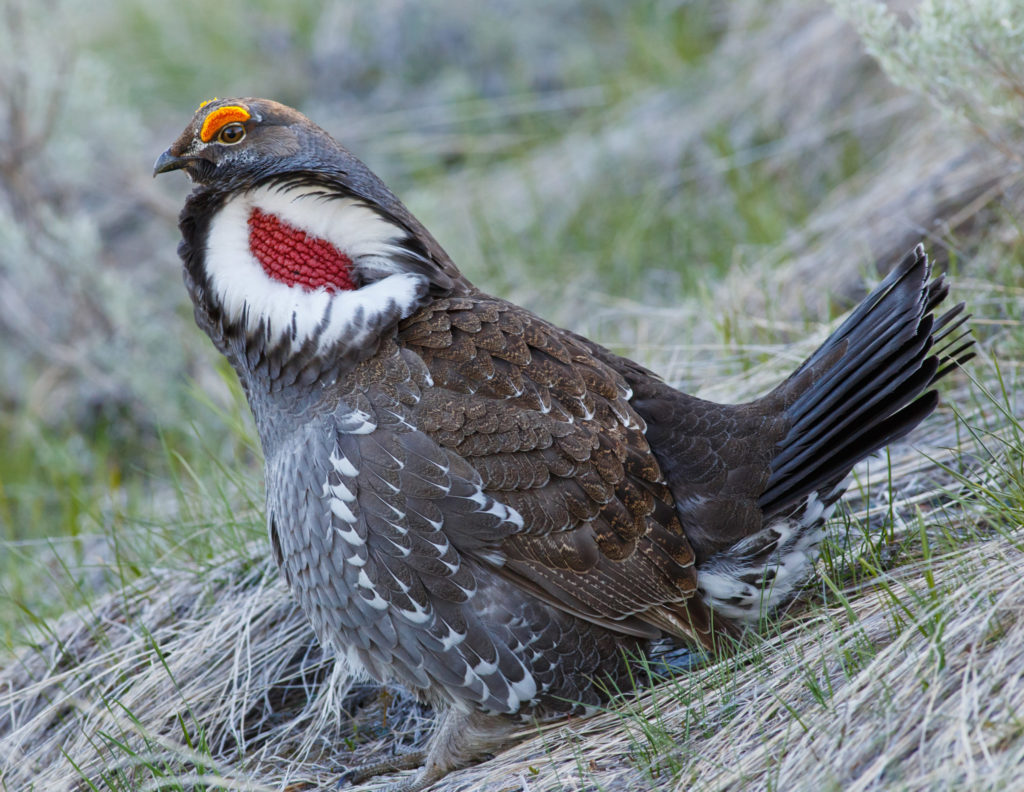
{"type": "Point", "coordinates": [716, 458]}
{"type": "Point", "coordinates": [550, 431]}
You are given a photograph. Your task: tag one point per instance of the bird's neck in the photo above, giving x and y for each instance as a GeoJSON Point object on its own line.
{"type": "Point", "coordinates": [301, 267]}
{"type": "Point", "coordinates": [296, 286]}
{"type": "Point", "coordinates": [298, 271]}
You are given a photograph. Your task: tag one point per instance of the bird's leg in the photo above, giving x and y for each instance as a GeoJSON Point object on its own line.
{"type": "Point", "coordinates": [460, 739]}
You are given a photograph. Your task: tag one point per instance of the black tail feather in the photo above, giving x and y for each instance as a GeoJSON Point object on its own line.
{"type": "Point", "coordinates": [951, 358]}
{"type": "Point", "coordinates": [865, 386]}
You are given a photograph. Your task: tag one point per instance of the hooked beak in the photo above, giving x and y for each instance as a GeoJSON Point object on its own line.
{"type": "Point", "coordinates": [168, 162]}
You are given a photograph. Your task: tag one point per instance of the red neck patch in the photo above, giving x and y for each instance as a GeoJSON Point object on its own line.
{"type": "Point", "coordinates": [289, 255]}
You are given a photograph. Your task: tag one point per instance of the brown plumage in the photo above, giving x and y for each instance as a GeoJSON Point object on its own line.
{"type": "Point", "coordinates": [490, 509]}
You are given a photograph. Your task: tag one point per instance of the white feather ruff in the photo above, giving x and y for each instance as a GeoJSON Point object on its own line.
{"type": "Point", "coordinates": [245, 291]}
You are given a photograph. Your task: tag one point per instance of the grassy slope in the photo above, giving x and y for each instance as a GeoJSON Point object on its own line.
{"type": "Point", "coordinates": [775, 173]}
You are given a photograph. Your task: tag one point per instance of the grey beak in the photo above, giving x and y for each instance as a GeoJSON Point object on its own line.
{"type": "Point", "coordinates": [168, 162]}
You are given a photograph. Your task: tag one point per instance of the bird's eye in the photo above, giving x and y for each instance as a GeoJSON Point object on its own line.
{"type": "Point", "coordinates": [231, 133]}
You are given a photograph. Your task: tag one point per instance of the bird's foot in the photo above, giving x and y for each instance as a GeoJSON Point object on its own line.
{"type": "Point", "coordinates": [460, 739]}
{"type": "Point", "coordinates": [407, 760]}
{"type": "Point", "coordinates": [666, 659]}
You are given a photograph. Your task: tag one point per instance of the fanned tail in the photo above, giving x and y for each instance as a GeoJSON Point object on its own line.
{"type": "Point", "coordinates": [865, 386]}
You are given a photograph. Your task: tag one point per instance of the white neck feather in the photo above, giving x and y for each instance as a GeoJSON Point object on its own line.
{"type": "Point", "coordinates": [351, 318]}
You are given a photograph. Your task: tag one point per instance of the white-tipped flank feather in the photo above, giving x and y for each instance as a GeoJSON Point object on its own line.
{"type": "Point", "coordinates": [764, 571]}
{"type": "Point", "coordinates": [246, 292]}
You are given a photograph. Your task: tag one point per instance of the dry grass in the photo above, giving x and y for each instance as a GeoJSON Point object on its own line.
{"type": "Point", "coordinates": [846, 698]}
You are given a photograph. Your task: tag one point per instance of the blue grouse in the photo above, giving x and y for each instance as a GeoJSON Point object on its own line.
{"type": "Point", "coordinates": [489, 509]}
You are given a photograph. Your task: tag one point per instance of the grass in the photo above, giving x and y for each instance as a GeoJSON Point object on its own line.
{"type": "Point", "coordinates": [196, 505]}
{"type": "Point", "coordinates": [150, 642]}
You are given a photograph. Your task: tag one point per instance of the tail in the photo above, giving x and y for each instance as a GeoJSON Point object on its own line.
{"type": "Point", "coordinates": [862, 389]}
{"type": "Point", "coordinates": [865, 387]}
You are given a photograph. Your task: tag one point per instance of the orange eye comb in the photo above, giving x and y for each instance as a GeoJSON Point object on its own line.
{"type": "Point", "coordinates": [219, 117]}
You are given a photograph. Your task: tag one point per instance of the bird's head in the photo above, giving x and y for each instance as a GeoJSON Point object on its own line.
{"type": "Point", "coordinates": [235, 141]}
{"type": "Point", "coordinates": [289, 237]}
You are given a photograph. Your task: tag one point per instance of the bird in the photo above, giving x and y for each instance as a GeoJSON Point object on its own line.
{"type": "Point", "coordinates": [495, 512]}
